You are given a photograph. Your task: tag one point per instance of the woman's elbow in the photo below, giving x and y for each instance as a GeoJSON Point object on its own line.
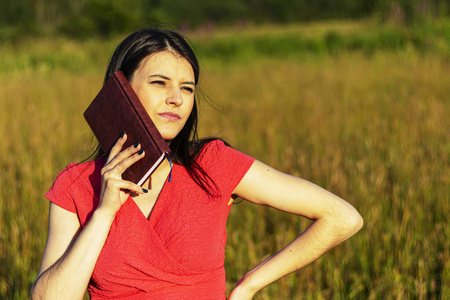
{"type": "Point", "coordinates": [39, 290]}
{"type": "Point", "coordinates": [34, 293]}
{"type": "Point", "coordinates": [351, 221]}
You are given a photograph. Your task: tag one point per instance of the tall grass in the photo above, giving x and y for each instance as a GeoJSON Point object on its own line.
{"type": "Point", "coordinates": [376, 132]}
{"type": "Point", "coordinates": [372, 129]}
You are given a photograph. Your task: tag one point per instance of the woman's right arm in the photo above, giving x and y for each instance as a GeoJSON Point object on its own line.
{"type": "Point", "coordinates": [71, 251]}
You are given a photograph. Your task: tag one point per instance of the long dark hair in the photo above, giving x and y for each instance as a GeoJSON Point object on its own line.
{"type": "Point", "coordinates": [127, 58]}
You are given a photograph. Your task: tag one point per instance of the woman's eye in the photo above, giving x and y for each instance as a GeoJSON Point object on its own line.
{"type": "Point", "coordinates": [189, 89]}
{"type": "Point", "coordinates": [158, 82]}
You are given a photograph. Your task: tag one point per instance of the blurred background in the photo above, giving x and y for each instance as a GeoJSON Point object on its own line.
{"type": "Point", "coordinates": [351, 95]}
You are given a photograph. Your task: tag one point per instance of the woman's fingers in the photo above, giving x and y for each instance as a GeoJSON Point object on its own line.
{"type": "Point", "coordinates": [117, 147]}
{"type": "Point", "coordinates": [124, 185]}
{"type": "Point", "coordinates": [125, 163]}
{"type": "Point", "coordinates": [123, 160]}
{"type": "Point", "coordinates": [116, 191]}
{"type": "Point", "coordinates": [118, 158]}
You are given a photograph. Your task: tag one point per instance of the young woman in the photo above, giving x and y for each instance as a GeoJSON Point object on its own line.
{"type": "Point", "coordinates": [166, 239]}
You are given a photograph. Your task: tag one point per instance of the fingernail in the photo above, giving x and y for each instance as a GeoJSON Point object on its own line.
{"type": "Point", "coordinates": [122, 134]}
{"type": "Point", "coordinates": [136, 145]}
{"type": "Point", "coordinates": [145, 190]}
{"type": "Point", "coordinates": [141, 151]}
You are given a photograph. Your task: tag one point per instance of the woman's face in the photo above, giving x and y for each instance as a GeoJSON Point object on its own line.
{"type": "Point", "coordinates": [165, 84]}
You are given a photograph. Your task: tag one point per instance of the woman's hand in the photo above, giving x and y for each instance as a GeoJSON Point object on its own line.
{"type": "Point", "coordinates": [115, 190]}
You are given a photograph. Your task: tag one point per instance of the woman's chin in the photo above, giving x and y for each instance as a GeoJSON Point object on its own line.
{"type": "Point", "coordinates": [167, 134]}
{"type": "Point", "coordinates": [168, 137]}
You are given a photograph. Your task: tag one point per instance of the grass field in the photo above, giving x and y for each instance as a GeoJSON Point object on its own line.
{"type": "Point", "coordinates": [374, 129]}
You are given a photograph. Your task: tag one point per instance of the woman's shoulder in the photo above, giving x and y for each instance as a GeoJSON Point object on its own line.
{"type": "Point", "coordinates": [217, 152]}
{"type": "Point", "coordinates": [77, 185]}
{"type": "Point", "coordinates": [208, 147]}
{"type": "Point", "coordinates": [77, 188]}
{"type": "Point", "coordinates": [203, 145]}
{"type": "Point", "coordinates": [79, 176]}
{"type": "Point", "coordinates": [224, 165]}
{"type": "Point", "coordinates": [75, 171]}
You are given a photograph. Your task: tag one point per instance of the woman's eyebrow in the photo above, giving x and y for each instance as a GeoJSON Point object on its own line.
{"type": "Point", "coordinates": [168, 78]}
{"type": "Point", "coordinates": [158, 75]}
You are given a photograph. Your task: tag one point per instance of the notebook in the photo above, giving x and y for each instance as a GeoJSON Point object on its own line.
{"type": "Point", "coordinates": [116, 109]}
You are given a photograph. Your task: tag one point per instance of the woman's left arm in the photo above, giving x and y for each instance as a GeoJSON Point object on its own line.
{"type": "Point", "coordinates": [335, 220]}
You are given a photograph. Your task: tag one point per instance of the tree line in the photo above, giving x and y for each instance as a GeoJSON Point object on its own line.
{"type": "Point", "coordinates": [82, 18]}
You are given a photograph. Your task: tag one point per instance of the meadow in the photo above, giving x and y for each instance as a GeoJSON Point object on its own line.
{"type": "Point", "coordinates": [370, 126]}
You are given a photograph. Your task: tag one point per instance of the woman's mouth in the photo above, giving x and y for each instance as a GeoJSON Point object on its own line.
{"type": "Point", "coordinates": [171, 116]}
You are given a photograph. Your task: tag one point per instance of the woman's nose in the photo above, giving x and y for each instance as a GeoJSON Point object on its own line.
{"type": "Point", "coordinates": [174, 97]}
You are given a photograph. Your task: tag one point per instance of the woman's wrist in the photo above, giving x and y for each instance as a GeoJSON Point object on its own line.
{"type": "Point", "coordinates": [242, 291]}
{"type": "Point", "coordinates": [245, 288]}
{"type": "Point", "coordinates": [105, 214]}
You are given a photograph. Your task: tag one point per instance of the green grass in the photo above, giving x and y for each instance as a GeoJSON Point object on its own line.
{"type": "Point", "coordinates": [371, 128]}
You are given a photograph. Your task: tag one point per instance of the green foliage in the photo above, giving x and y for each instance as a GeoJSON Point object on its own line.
{"type": "Point", "coordinates": [367, 39]}
{"type": "Point", "coordinates": [102, 18]}
{"type": "Point", "coordinates": [18, 12]}
{"type": "Point", "coordinates": [191, 14]}
{"type": "Point", "coordinates": [410, 12]}
{"type": "Point", "coordinates": [334, 42]}
{"type": "Point", "coordinates": [84, 18]}
{"type": "Point", "coordinates": [297, 42]}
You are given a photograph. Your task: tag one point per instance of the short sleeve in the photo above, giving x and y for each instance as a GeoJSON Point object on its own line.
{"type": "Point", "coordinates": [224, 165]}
{"type": "Point", "coordinates": [59, 193]}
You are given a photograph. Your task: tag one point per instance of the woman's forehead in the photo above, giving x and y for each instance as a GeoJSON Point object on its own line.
{"type": "Point", "coordinates": [168, 62]}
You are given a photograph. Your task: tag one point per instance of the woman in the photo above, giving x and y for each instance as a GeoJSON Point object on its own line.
{"type": "Point", "coordinates": [107, 234]}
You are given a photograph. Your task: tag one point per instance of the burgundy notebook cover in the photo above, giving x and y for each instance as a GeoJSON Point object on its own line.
{"type": "Point", "coordinates": [116, 109]}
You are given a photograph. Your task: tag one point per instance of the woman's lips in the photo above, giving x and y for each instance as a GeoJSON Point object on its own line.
{"type": "Point", "coordinates": [171, 116]}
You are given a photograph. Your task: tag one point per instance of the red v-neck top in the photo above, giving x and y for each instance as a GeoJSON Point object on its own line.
{"type": "Point", "coordinates": [179, 252]}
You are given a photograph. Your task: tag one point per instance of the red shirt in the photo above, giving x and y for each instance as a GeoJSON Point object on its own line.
{"type": "Point", "coordinates": [179, 252]}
